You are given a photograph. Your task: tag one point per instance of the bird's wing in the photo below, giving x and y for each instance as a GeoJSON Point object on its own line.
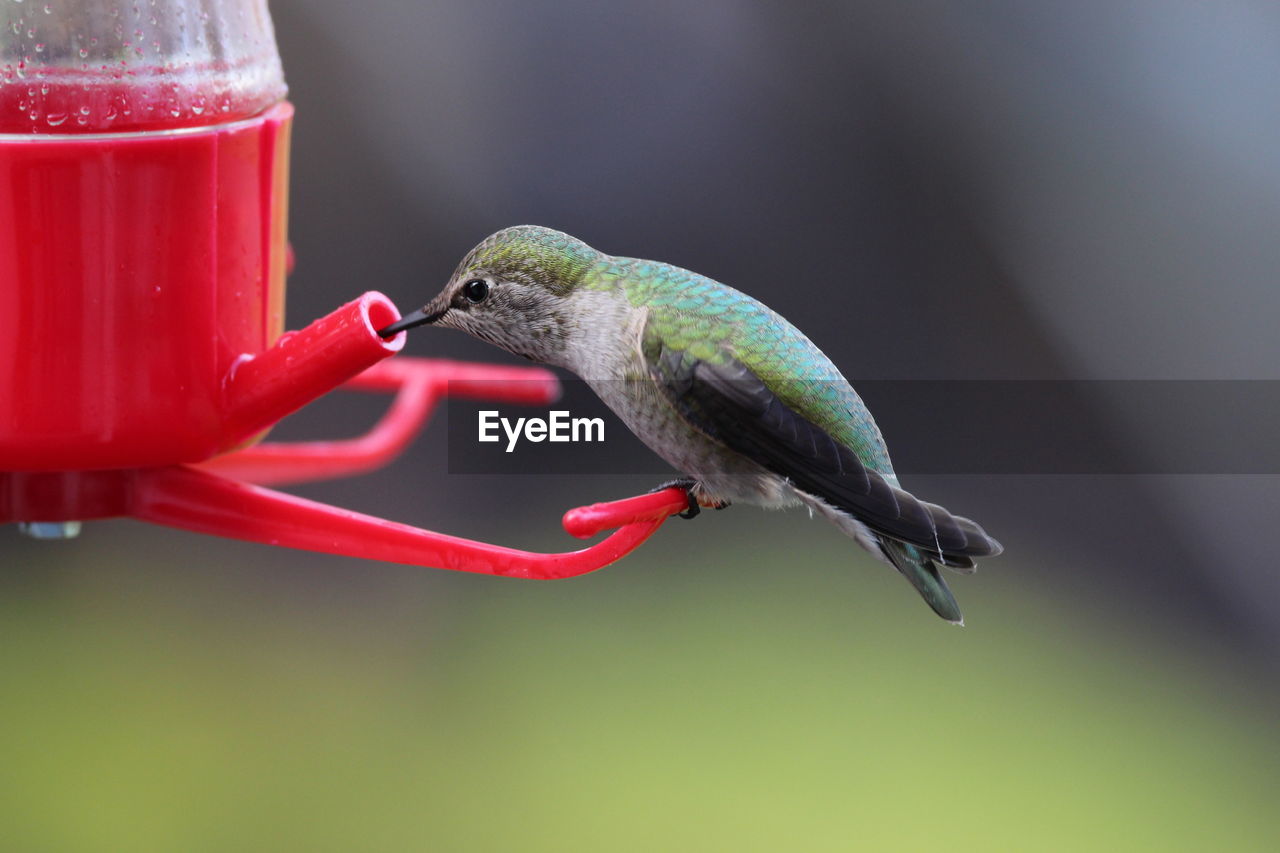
{"type": "Point", "coordinates": [725, 399]}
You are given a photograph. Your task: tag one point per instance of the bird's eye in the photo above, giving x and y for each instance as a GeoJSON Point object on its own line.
{"type": "Point", "coordinates": [476, 290]}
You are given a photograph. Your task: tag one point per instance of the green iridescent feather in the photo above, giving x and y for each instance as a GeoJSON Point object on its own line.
{"type": "Point", "coordinates": [713, 322]}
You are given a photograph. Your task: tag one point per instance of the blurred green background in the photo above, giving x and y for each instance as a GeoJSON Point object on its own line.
{"type": "Point", "coordinates": [746, 681]}
{"type": "Point", "coordinates": [931, 190]}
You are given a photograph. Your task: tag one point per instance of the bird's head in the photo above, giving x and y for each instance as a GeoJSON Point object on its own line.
{"type": "Point", "coordinates": [512, 290]}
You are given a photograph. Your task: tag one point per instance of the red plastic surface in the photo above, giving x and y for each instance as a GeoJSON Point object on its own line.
{"type": "Point", "coordinates": [135, 269]}
{"type": "Point", "coordinates": [195, 500]}
{"type": "Point", "coordinates": [418, 384]}
{"type": "Point", "coordinates": [301, 366]}
{"type": "Point", "coordinates": [141, 298]}
{"type": "Point", "coordinates": [586, 521]}
{"type": "Point", "coordinates": [261, 389]}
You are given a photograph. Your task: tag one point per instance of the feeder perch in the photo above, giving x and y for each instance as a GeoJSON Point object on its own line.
{"type": "Point", "coordinates": [142, 277]}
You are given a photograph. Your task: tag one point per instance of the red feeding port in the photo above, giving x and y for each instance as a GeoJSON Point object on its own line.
{"type": "Point", "coordinates": [142, 278]}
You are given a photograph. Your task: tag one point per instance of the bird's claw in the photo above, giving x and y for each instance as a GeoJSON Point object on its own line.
{"type": "Point", "coordinates": [687, 484]}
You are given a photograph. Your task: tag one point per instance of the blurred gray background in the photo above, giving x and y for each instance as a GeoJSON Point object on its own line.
{"type": "Point", "coordinates": [929, 190]}
{"type": "Point", "coordinates": [939, 190]}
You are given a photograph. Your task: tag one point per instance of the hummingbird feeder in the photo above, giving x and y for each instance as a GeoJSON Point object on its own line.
{"type": "Point", "coordinates": [144, 153]}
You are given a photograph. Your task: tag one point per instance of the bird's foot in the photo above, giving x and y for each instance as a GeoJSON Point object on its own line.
{"type": "Point", "coordinates": [688, 484]}
{"type": "Point", "coordinates": [691, 487]}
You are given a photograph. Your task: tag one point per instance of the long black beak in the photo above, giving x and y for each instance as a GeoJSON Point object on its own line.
{"type": "Point", "coordinates": [408, 321]}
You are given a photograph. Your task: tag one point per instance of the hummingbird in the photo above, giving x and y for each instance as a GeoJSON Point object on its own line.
{"type": "Point", "coordinates": [719, 385]}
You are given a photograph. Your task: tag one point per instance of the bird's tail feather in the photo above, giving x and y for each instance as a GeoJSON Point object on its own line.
{"type": "Point", "coordinates": [921, 572]}
{"type": "Point", "coordinates": [917, 566]}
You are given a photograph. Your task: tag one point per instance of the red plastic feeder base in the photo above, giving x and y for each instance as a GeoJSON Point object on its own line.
{"type": "Point", "coordinates": [224, 496]}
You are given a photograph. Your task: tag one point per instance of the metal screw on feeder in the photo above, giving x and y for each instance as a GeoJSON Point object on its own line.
{"type": "Point", "coordinates": [50, 529]}
{"type": "Point", "coordinates": [142, 280]}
